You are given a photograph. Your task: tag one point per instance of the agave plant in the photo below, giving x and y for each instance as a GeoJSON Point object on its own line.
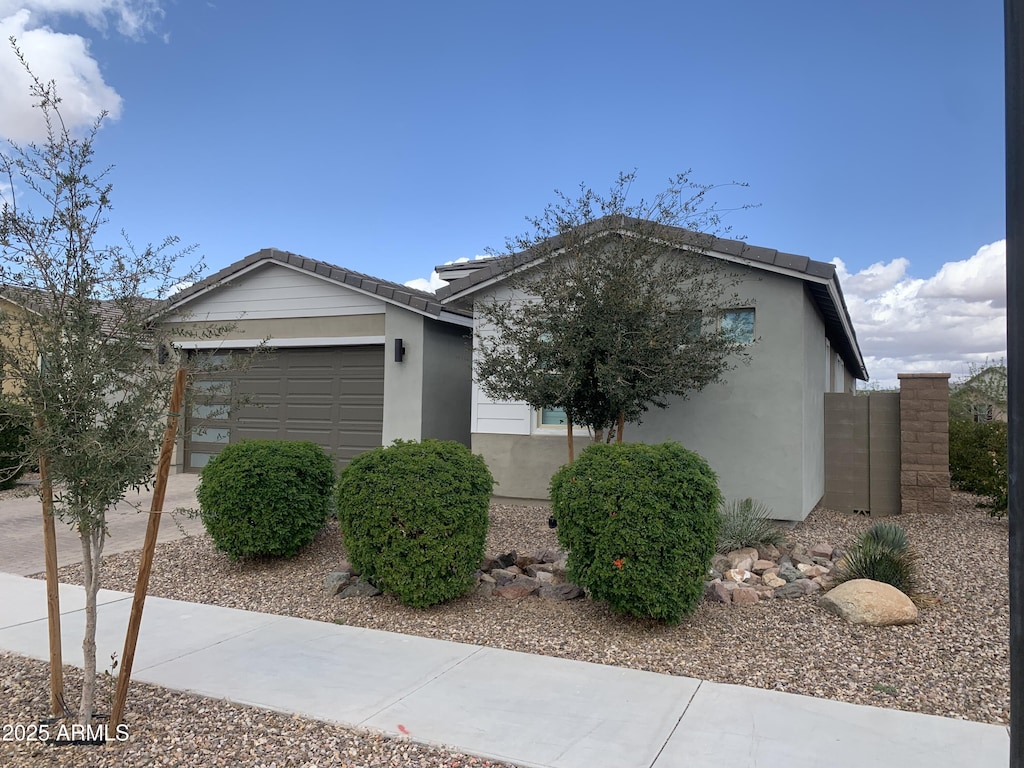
{"type": "Point", "coordinates": [881, 553]}
{"type": "Point", "coordinates": [746, 523]}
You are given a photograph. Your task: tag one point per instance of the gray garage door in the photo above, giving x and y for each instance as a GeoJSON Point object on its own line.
{"type": "Point", "coordinates": [333, 396]}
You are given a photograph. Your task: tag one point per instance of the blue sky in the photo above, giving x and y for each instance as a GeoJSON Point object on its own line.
{"type": "Point", "coordinates": [393, 136]}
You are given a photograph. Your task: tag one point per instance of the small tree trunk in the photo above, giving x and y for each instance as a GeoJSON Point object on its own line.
{"type": "Point", "coordinates": [92, 547]}
{"type": "Point", "coordinates": [598, 435]}
{"type": "Point", "coordinates": [622, 427]}
{"type": "Point", "coordinates": [568, 433]}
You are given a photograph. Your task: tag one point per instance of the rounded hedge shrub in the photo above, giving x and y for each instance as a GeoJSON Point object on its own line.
{"type": "Point", "coordinates": [641, 524]}
{"type": "Point", "coordinates": [266, 497]}
{"type": "Point", "coordinates": [14, 432]}
{"type": "Point", "coordinates": [414, 518]}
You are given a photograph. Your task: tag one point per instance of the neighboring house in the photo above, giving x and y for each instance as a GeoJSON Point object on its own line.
{"type": "Point", "coordinates": [17, 303]}
{"type": "Point", "coordinates": [981, 397]}
{"type": "Point", "coordinates": [352, 362]}
{"type": "Point", "coordinates": [762, 431]}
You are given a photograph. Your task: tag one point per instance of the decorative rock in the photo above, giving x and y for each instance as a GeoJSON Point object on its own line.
{"type": "Point", "coordinates": [544, 577]}
{"type": "Point", "coordinates": [789, 573]}
{"type": "Point", "coordinates": [718, 592]}
{"type": "Point", "coordinates": [523, 561]}
{"type": "Point", "coordinates": [359, 589]}
{"type": "Point", "coordinates": [485, 588]}
{"type": "Point", "coordinates": [863, 601]}
{"type": "Point", "coordinates": [764, 592]}
{"type": "Point", "coordinates": [546, 556]}
{"type": "Point", "coordinates": [489, 563]}
{"type": "Point", "coordinates": [790, 591]}
{"type": "Point", "coordinates": [485, 578]}
{"type": "Point", "coordinates": [744, 596]}
{"type": "Point", "coordinates": [515, 590]}
{"type": "Point", "coordinates": [737, 556]}
{"type": "Point", "coordinates": [336, 581]}
{"type": "Point", "coordinates": [502, 576]}
{"type": "Point", "coordinates": [736, 575]}
{"type": "Point", "coordinates": [821, 549]}
{"type": "Point", "coordinates": [815, 571]}
{"type": "Point", "coordinates": [760, 566]}
{"type": "Point", "coordinates": [799, 558]}
{"type": "Point", "coordinates": [768, 552]}
{"type": "Point", "coordinates": [561, 591]}
{"type": "Point", "coordinates": [720, 563]}
{"type": "Point", "coordinates": [504, 561]}
{"type": "Point", "coordinates": [773, 581]}
{"type": "Point", "coordinates": [803, 568]}
{"type": "Point", "coordinates": [534, 568]}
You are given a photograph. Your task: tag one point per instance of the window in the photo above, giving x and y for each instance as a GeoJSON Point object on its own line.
{"type": "Point", "coordinates": [739, 324]}
{"type": "Point", "coordinates": [550, 417]}
{"type": "Point", "coordinates": [981, 413]}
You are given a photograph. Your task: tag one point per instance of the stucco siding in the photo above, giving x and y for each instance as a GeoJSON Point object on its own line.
{"type": "Point", "coordinates": [276, 290]}
{"type": "Point", "coordinates": [814, 386]}
{"type": "Point", "coordinates": [750, 428]}
{"type": "Point", "coordinates": [358, 327]}
{"type": "Point", "coordinates": [447, 368]}
{"type": "Point", "coordinates": [403, 381]}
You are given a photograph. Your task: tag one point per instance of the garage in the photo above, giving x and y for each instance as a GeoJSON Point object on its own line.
{"type": "Point", "coordinates": [332, 396]}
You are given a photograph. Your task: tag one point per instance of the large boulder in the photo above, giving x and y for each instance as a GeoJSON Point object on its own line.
{"type": "Point", "coordinates": [863, 601]}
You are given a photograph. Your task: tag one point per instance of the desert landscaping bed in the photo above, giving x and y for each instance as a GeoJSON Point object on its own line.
{"type": "Point", "coordinates": [953, 662]}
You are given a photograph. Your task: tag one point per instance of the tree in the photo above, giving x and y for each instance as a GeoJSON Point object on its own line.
{"type": "Point", "coordinates": [622, 309]}
{"type": "Point", "coordinates": [80, 349]}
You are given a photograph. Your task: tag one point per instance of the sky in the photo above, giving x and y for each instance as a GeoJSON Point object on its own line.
{"type": "Point", "coordinates": [393, 136]}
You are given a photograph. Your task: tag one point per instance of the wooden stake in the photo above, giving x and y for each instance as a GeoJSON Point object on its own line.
{"type": "Point", "coordinates": [52, 586]}
{"type": "Point", "coordinates": [163, 469]}
{"type": "Point", "coordinates": [572, 451]}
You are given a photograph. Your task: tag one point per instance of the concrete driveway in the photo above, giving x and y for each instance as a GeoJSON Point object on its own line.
{"type": "Point", "coordinates": [21, 545]}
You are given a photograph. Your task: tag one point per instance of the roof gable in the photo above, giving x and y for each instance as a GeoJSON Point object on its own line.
{"type": "Point", "coordinates": [819, 278]}
{"type": "Point", "coordinates": [385, 291]}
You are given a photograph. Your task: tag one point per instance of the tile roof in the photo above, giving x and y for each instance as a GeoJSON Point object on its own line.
{"type": "Point", "coordinates": [394, 293]}
{"type": "Point", "coordinates": [819, 277]}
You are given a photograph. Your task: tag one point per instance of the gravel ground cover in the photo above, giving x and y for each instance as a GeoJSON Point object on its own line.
{"type": "Point", "coordinates": [954, 662]}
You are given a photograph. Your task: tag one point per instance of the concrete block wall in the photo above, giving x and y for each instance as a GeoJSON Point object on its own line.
{"type": "Point", "coordinates": [924, 442]}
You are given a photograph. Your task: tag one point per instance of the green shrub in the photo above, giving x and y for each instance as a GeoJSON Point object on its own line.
{"type": "Point", "coordinates": [414, 518]}
{"type": "Point", "coordinates": [881, 553]}
{"type": "Point", "coordinates": [746, 523]}
{"type": "Point", "coordinates": [978, 461]}
{"type": "Point", "coordinates": [266, 497]}
{"type": "Point", "coordinates": [14, 430]}
{"type": "Point", "coordinates": [640, 523]}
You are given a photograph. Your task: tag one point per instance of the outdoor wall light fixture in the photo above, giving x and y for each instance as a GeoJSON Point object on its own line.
{"type": "Point", "coordinates": [399, 350]}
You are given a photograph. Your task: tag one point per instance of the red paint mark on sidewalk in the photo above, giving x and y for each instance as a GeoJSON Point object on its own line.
{"type": "Point", "coordinates": [403, 729]}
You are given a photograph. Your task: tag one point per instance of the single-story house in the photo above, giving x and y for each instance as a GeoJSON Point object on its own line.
{"type": "Point", "coordinates": [762, 430]}
{"type": "Point", "coordinates": [351, 362]}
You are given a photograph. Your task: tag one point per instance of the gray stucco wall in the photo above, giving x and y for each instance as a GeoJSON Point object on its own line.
{"type": "Point", "coordinates": [751, 428]}
{"type": "Point", "coordinates": [403, 382]}
{"type": "Point", "coordinates": [447, 381]}
{"type": "Point", "coordinates": [813, 391]}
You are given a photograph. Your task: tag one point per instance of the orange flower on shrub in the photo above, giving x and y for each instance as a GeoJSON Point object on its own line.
{"type": "Point", "coordinates": [618, 563]}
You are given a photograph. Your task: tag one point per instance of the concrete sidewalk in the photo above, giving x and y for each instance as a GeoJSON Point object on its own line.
{"type": "Point", "coordinates": [520, 708]}
{"type": "Point", "coordinates": [21, 546]}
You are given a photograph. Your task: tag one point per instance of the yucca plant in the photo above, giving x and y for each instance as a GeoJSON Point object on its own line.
{"type": "Point", "coordinates": [746, 523]}
{"type": "Point", "coordinates": [881, 553]}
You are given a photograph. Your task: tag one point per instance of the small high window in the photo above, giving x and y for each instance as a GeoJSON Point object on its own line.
{"type": "Point", "coordinates": [739, 324]}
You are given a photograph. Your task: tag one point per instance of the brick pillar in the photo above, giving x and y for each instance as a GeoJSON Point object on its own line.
{"type": "Point", "coordinates": [924, 442]}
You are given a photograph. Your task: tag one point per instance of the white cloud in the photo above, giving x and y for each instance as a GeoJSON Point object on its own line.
{"type": "Point", "coordinates": [63, 58]}
{"type": "Point", "coordinates": [434, 282]}
{"type": "Point", "coordinates": [942, 323]}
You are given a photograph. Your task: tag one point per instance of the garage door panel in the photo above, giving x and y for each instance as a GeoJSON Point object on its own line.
{"type": "Point", "coordinates": [331, 396]}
